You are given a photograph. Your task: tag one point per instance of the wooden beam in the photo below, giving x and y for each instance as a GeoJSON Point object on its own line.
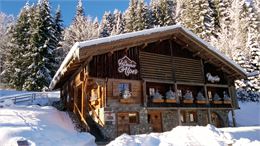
{"type": "Point", "coordinates": [196, 54]}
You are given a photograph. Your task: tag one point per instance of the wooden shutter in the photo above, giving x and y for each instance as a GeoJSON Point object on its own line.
{"type": "Point", "coordinates": [187, 70]}
{"type": "Point", "coordinates": [156, 66]}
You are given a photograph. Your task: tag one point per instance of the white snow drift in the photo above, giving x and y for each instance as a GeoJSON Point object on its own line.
{"type": "Point", "coordinates": [44, 126]}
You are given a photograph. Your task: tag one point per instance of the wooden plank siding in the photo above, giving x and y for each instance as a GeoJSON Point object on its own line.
{"type": "Point", "coordinates": [156, 66]}
{"type": "Point", "coordinates": [188, 70]}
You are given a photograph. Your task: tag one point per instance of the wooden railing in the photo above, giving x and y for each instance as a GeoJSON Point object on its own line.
{"type": "Point", "coordinates": [23, 97]}
{"type": "Point", "coordinates": [96, 115]}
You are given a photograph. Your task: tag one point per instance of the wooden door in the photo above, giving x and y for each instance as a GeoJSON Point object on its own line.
{"type": "Point", "coordinates": [216, 121]}
{"type": "Point", "coordinates": [154, 118]}
{"type": "Point", "coordinates": [122, 123]}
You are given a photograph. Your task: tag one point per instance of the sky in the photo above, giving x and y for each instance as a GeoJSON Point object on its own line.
{"type": "Point", "coordinates": [93, 8]}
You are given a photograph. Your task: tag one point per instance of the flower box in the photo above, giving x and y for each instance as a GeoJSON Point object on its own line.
{"type": "Point", "coordinates": [170, 100]}
{"type": "Point", "coordinates": [187, 101]}
{"type": "Point", "coordinates": [217, 102]}
{"type": "Point", "coordinates": [227, 101]}
{"type": "Point", "coordinates": [157, 100]}
{"type": "Point", "coordinates": [201, 101]}
{"type": "Point", "coordinates": [126, 100]}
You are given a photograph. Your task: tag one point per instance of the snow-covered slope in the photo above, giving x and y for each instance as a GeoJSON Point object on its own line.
{"type": "Point", "coordinates": [193, 136]}
{"type": "Point", "coordinates": [44, 126]}
{"type": "Point", "coordinates": [248, 114]}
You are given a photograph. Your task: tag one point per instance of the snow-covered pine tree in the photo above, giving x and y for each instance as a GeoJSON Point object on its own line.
{"type": "Point", "coordinates": [95, 28]}
{"type": "Point", "coordinates": [254, 47]}
{"type": "Point", "coordinates": [6, 21]}
{"type": "Point", "coordinates": [118, 24]}
{"type": "Point", "coordinates": [141, 16]}
{"type": "Point", "coordinates": [81, 29]}
{"type": "Point", "coordinates": [154, 13]}
{"type": "Point", "coordinates": [197, 16]}
{"type": "Point", "coordinates": [130, 16]}
{"type": "Point", "coordinates": [166, 11]}
{"type": "Point", "coordinates": [58, 28]}
{"type": "Point", "coordinates": [42, 44]}
{"type": "Point", "coordinates": [107, 24]}
{"type": "Point", "coordinates": [17, 48]}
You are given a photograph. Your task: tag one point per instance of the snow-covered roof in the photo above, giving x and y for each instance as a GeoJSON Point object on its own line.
{"type": "Point", "coordinates": [87, 47]}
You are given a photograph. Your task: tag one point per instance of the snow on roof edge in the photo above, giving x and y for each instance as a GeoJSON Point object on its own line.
{"type": "Point", "coordinates": [210, 47]}
{"type": "Point", "coordinates": [69, 56]}
{"type": "Point", "coordinates": [126, 35]}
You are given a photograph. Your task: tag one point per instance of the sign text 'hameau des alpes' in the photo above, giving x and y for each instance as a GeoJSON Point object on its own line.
{"type": "Point", "coordinates": [127, 66]}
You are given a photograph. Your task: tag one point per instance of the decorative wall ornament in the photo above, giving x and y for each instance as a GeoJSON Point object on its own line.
{"type": "Point", "coordinates": [188, 95]}
{"type": "Point", "coordinates": [200, 96]}
{"type": "Point", "coordinates": [126, 94]}
{"type": "Point", "coordinates": [226, 97]}
{"type": "Point", "coordinates": [170, 94]}
{"type": "Point", "coordinates": [127, 66]}
{"type": "Point", "coordinates": [157, 95]}
{"type": "Point", "coordinates": [216, 97]}
{"type": "Point", "coordinates": [212, 79]}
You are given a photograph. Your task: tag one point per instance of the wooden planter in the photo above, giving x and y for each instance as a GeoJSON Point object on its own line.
{"type": "Point", "coordinates": [157, 100]}
{"type": "Point", "coordinates": [201, 101]}
{"type": "Point", "coordinates": [217, 102]}
{"type": "Point", "coordinates": [187, 101]}
{"type": "Point", "coordinates": [127, 101]}
{"type": "Point", "coordinates": [227, 101]}
{"type": "Point", "coordinates": [170, 100]}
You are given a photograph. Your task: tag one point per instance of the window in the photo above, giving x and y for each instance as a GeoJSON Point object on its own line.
{"type": "Point", "coordinates": [188, 116]}
{"type": "Point", "coordinates": [151, 92]}
{"type": "Point", "coordinates": [133, 118]}
{"type": "Point", "coordinates": [124, 90]}
{"type": "Point", "coordinates": [210, 95]}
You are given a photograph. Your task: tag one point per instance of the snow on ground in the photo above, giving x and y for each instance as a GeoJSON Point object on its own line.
{"type": "Point", "coordinates": [248, 114]}
{"type": "Point", "coordinates": [194, 136]}
{"type": "Point", "coordinates": [44, 126]}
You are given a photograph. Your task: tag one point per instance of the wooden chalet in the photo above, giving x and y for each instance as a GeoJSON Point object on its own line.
{"type": "Point", "coordinates": [147, 81]}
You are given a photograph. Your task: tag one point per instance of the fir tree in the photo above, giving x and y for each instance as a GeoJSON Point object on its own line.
{"type": "Point", "coordinates": [130, 16]}
{"type": "Point", "coordinates": [166, 13]}
{"type": "Point", "coordinates": [42, 45]}
{"type": "Point", "coordinates": [118, 23]}
{"type": "Point", "coordinates": [81, 29]}
{"type": "Point", "coordinates": [107, 24]}
{"type": "Point", "coordinates": [16, 50]}
{"type": "Point", "coordinates": [58, 28]}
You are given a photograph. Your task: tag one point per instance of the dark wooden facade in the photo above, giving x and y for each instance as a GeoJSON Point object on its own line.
{"type": "Point", "coordinates": [95, 89]}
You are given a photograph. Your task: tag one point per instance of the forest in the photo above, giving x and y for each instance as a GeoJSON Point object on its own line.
{"type": "Point", "coordinates": [33, 44]}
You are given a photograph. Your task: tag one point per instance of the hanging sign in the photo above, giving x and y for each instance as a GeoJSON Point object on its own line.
{"type": "Point", "coordinates": [127, 66]}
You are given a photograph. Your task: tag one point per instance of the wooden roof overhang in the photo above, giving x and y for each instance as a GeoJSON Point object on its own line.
{"type": "Point", "coordinates": [82, 52]}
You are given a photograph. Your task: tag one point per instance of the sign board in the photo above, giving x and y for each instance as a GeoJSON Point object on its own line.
{"type": "Point", "coordinates": [110, 117]}
{"type": "Point", "coordinates": [127, 66]}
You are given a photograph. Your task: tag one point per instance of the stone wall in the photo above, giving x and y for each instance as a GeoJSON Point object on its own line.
{"type": "Point", "coordinates": [169, 120]}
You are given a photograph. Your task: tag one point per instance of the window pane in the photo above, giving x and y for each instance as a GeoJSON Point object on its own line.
{"type": "Point", "coordinates": [133, 118]}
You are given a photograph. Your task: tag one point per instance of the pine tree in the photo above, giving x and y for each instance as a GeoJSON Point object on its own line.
{"type": "Point", "coordinates": [141, 16]}
{"type": "Point", "coordinates": [81, 29]}
{"type": "Point", "coordinates": [130, 16]}
{"type": "Point", "coordinates": [58, 28]}
{"type": "Point", "coordinates": [154, 13]}
{"type": "Point", "coordinates": [6, 21]}
{"type": "Point", "coordinates": [118, 23]}
{"type": "Point", "coordinates": [166, 13]}
{"type": "Point", "coordinates": [42, 44]}
{"type": "Point", "coordinates": [107, 24]}
{"type": "Point", "coordinates": [16, 50]}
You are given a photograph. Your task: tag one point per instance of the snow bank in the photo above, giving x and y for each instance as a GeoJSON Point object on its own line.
{"type": "Point", "coordinates": [244, 136]}
{"type": "Point", "coordinates": [248, 114]}
{"type": "Point", "coordinates": [40, 126]}
{"type": "Point", "coordinates": [193, 135]}
{"type": "Point", "coordinates": [179, 136]}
